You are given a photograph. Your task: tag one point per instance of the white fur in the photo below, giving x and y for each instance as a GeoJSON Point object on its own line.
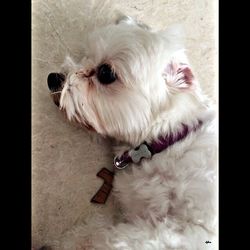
{"type": "Point", "coordinates": [168, 202]}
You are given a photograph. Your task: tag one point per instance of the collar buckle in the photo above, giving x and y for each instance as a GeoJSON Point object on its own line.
{"type": "Point", "coordinates": [132, 156]}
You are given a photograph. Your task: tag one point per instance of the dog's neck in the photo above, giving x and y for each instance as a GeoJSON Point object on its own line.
{"type": "Point", "coordinates": [147, 150]}
{"type": "Point", "coordinates": [186, 109]}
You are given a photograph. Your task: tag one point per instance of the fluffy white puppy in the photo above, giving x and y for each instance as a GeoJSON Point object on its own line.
{"type": "Point", "coordinates": [137, 86]}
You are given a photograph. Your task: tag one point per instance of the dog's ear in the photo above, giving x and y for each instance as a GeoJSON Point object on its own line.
{"type": "Point", "coordinates": [179, 75]}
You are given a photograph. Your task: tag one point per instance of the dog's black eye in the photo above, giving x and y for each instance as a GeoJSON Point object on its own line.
{"type": "Point", "coordinates": [105, 74]}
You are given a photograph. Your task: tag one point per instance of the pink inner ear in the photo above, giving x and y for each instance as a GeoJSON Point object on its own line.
{"type": "Point", "coordinates": [187, 74]}
{"type": "Point", "coordinates": [178, 75]}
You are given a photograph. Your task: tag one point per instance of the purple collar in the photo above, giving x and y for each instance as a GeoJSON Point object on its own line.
{"type": "Point", "coordinates": [146, 150]}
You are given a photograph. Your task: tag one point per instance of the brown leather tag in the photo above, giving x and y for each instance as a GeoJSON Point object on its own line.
{"type": "Point", "coordinates": [102, 194]}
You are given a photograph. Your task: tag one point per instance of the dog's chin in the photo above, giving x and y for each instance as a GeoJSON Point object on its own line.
{"type": "Point", "coordinates": [86, 125]}
{"type": "Point", "coordinates": [83, 123]}
{"type": "Point", "coordinates": [90, 128]}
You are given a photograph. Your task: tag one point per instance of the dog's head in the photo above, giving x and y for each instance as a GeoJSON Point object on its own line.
{"type": "Point", "coordinates": [128, 76]}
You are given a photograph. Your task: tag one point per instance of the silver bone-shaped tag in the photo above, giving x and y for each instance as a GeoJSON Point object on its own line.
{"type": "Point", "coordinates": [142, 152]}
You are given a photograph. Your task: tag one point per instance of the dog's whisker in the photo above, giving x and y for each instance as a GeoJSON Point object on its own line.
{"type": "Point", "coordinates": [57, 92]}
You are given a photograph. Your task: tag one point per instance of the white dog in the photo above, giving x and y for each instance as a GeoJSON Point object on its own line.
{"type": "Point", "coordinates": [136, 86]}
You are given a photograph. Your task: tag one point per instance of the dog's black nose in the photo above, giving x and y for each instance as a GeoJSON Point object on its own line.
{"type": "Point", "coordinates": [55, 81]}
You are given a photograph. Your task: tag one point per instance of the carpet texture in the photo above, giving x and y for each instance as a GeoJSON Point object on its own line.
{"type": "Point", "coordinates": [64, 158]}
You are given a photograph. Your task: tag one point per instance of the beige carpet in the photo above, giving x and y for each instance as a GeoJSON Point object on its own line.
{"type": "Point", "coordinates": [64, 159]}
